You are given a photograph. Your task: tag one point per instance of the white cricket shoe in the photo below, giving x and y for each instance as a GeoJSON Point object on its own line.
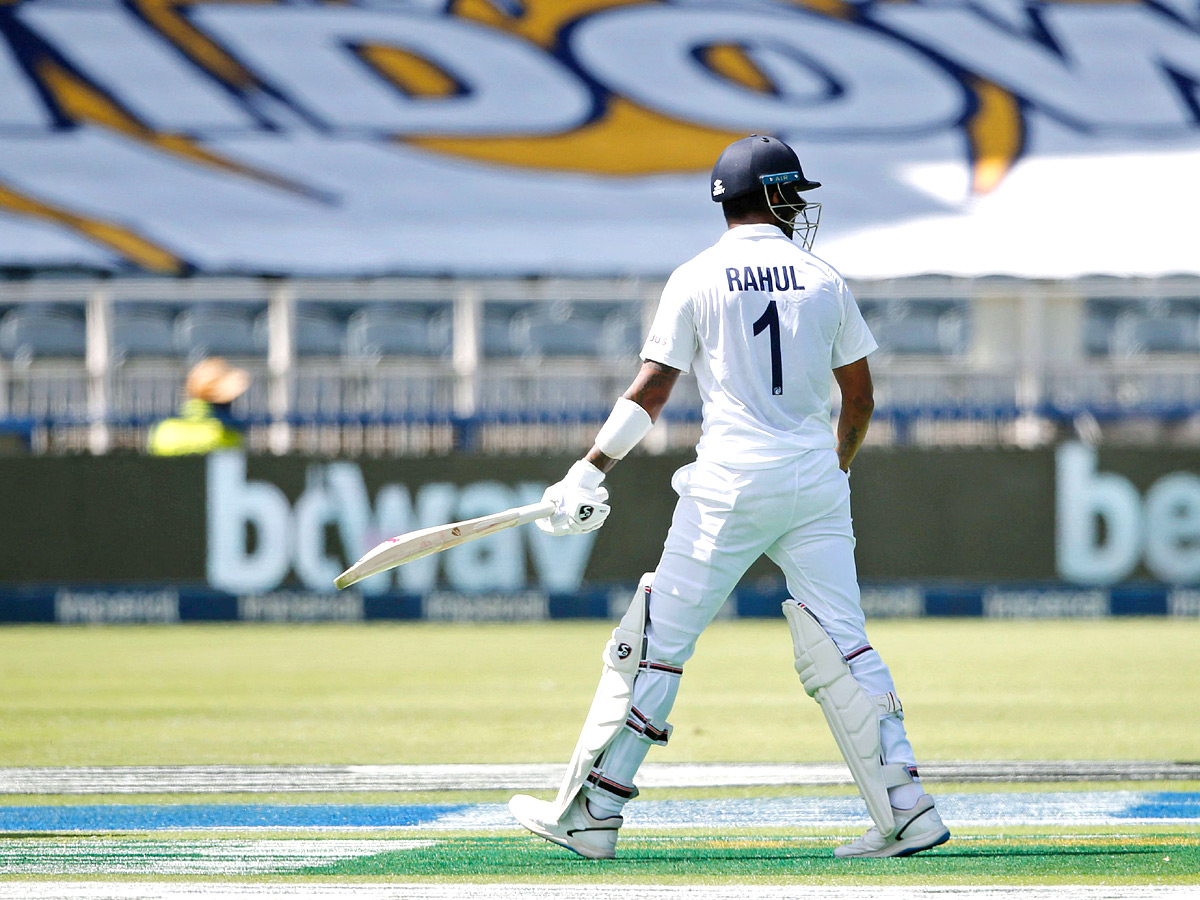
{"type": "Point", "coordinates": [917, 829]}
{"type": "Point", "coordinates": [577, 830]}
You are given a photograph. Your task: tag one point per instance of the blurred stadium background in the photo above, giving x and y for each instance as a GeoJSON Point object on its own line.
{"type": "Point", "coordinates": [434, 233]}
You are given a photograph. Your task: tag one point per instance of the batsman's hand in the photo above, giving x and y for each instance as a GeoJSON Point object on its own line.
{"type": "Point", "coordinates": [579, 500]}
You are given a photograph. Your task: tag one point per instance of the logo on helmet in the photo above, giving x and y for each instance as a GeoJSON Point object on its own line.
{"type": "Point", "coordinates": [718, 188]}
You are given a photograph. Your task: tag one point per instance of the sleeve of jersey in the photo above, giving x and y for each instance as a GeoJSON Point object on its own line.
{"type": "Point", "coordinates": [672, 338]}
{"type": "Point", "coordinates": [854, 339]}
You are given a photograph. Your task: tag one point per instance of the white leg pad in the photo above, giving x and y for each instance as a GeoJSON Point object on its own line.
{"type": "Point", "coordinates": [614, 695]}
{"type": "Point", "coordinates": [852, 714]}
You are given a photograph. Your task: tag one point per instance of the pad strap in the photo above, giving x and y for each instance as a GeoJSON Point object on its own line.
{"type": "Point", "coordinates": [889, 705]}
{"type": "Point", "coordinates": [669, 669]}
{"type": "Point", "coordinates": [896, 774]}
{"type": "Point", "coordinates": [598, 781]}
{"type": "Point", "coordinates": [647, 729]}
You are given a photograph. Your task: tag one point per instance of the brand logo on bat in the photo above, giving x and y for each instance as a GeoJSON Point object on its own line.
{"type": "Point", "coordinates": [585, 512]}
{"type": "Point", "coordinates": [623, 651]}
{"type": "Point", "coordinates": [457, 532]}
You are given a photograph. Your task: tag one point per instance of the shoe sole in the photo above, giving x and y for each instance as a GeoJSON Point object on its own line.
{"type": "Point", "coordinates": [911, 850]}
{"type": "Point", "coordinates": [560, 840]}
{"type": "Point", "coordinates": [888, 853]}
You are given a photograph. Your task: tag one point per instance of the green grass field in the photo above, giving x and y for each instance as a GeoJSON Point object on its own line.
{"type": "Point", "coordinates": [423, 693]}
{"type": "Point", "coordinates": [1158, 857]}
{"type": "Point", "coordinates": [503, 693]}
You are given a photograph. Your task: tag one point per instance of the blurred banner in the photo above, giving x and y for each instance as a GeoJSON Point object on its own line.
{"type": "Point", "coordinates": [996, 532]}
{"type": "Point", "coordinates": [1040, 139]}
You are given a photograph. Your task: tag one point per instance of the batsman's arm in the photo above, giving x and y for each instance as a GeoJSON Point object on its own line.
{"type": "Point", "coordinates": [858, 402]}
{"type": "Point", "coordinates": [627, 425]}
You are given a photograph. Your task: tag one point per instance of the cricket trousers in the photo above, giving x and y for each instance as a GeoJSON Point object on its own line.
{"type": "Point", "coordinates": [798, 514]}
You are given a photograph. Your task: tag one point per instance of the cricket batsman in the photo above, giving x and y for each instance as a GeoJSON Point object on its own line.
{"type": "Point", "coordinates": [764, 323]}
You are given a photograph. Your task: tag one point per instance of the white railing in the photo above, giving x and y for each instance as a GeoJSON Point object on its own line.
{"type": "Point", "coordinates": [1016, 356]}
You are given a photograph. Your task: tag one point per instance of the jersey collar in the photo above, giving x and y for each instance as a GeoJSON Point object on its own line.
{"type": "Point", "coordinates": [752, 232]}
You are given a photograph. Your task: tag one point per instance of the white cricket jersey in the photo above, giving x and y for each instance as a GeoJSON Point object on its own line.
{"type": "Point", "coordinates": [764, 323]}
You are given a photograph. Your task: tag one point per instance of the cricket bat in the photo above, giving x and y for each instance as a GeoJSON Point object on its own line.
{"type": "Point", "coordinates": [415, 544]}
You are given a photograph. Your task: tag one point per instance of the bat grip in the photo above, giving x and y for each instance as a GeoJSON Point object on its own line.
{"type": "Point", "coordinates": [533, 511]}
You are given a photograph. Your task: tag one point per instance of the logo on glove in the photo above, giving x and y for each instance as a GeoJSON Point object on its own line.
{"type": "Point", "coordinates": [623, 651]}
{"type": "Point", "coordinates": [585, 513]}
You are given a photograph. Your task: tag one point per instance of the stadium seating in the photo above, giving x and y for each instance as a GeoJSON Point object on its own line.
{"type": "Point", "coordinates": [409, 330]}
{"type": "Point", "coordinates": [383, 358]}
{"type": "Point", "coordinates": [921, 328]}
{"type": "Point", "coordinates": [1124, 327]}
{"type": "Point", "coordinates": [541, 335]}
{"type": "Point", "coordinates": [1172, 332]}
{"type": "Point", "coordinates": [318, 332]}
{"type": "Point", "coordinates": [219, 330]}
{"type": "Point", "coordinates": [1098, 324]}
{"type": "Point", "coordinates": [498, 327]}
{"type": "Point", "coordinates": [42, 330]}
{"type": "Point", "coordinates": [593, 329]}
{"type": "Point", "coordinates": [143, 330]}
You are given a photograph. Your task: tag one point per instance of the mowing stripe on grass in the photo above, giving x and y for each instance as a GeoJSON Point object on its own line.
{"type": "Point", "coordinates": [1138, 858]}
{"type": "Point", "coordinates": [35, 890]}
{"type": "Point", "coordinates": [536, 776]}
{"type": "Point", "coordinates": [1068, 808]}
{"type": "Point", "coordinates": [1142, 859]}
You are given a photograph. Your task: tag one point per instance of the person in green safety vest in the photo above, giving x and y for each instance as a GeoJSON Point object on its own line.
{"type": "Point", "coordinates": [204, 423]}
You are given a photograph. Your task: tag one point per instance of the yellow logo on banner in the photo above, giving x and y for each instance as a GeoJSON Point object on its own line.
{"type": "Point", "coordinates": [611, 88]}
{"type": "Point", "coordinates": [628, 139]}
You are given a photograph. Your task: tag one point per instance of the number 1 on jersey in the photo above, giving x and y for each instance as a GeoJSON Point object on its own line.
{"type": "Point", "coordinates": [770, 320]}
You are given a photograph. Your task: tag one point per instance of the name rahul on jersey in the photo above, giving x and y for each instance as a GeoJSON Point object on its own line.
{"type": "Point", "coordinates": [763, 278]}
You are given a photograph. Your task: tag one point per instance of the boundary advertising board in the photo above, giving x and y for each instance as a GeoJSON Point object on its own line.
{"type": "Point", "coordinates": [1065, 531]}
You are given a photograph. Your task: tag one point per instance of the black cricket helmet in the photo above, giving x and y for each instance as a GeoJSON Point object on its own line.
{"type": "Point", "coordinates": [760, 163]}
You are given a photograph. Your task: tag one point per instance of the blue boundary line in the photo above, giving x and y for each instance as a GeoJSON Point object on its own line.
{"type": "Point", "coordinates": [150, 817]}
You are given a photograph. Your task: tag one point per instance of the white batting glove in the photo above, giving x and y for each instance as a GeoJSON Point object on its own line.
{"type": "Point", "coordinates": [579, 502]}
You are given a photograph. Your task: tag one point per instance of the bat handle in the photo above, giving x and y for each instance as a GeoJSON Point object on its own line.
{"type": "Point", "coordinates": [533, 511]}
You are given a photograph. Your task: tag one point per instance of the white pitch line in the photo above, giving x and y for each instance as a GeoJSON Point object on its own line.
{"type": "Point", "coordinates": [536, 776]}
{"type": "Point", "coordinates": [41, 890]}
